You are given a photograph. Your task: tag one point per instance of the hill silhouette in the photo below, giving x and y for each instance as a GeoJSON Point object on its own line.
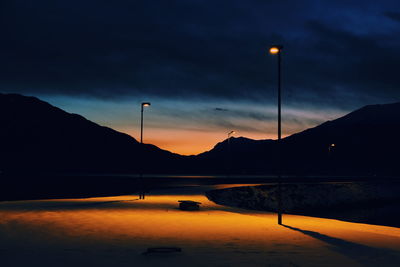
{"type": "Point", "coordinates": [366, 142]}
{"type": "Point", "coordinates": [38, 137]}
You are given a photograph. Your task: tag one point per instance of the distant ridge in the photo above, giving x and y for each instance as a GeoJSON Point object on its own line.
{"type": "Point", "coordinates": [367, 141]}
{"type": "Point", "coordinates": [36, 136]}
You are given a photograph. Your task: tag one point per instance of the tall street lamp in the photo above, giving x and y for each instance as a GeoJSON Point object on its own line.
{"type": "Point", "coordinates": [276, 50]}
{"type": "Point", "coordinates": [142, 188]}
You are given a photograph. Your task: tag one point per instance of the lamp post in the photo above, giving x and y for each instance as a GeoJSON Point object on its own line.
{"type": "Point", "coordinates": [141, 182]}
{"type": "Point", "coordinates": [229, 140]}
{"type": "Point", "coordinates": [230, 134]}
{"type": "Point", "coordinates": [229, 152]}
{"type": "Point", "coordinates": [331, 148]}
{"type": "Point", "coordinates": [144, 104]}
{"type": "Point", "coordinates": [276, 50]}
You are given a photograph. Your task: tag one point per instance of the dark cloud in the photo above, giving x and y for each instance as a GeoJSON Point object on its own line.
{"type": "Point", "coordinates": [393, 15]}
{"type": "Point", "coordinates": [201, 48]}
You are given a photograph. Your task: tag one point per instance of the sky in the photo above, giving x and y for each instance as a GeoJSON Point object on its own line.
{"type": "Point", "coordinates": [203, 64]}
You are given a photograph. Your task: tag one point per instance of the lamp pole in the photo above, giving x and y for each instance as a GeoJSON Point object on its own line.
{"type": "Point", "coordinates": [144, 104]}
{"type": "Point", "coordinates": [276, 50]}
{"type": "Point", "coordinates": [229, 152]}
{"type": "Point", "coordinates": [230, 135]}
{"type": "Point", "coordinates": [331, 148]}
{"type": "Point", "coordinates": [142, 187]}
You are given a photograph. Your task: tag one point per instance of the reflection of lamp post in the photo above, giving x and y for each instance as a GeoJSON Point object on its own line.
{"type": "Point", "coordinates": [141, 183]}
{"type": "Point", "coordinates": [276, 50]}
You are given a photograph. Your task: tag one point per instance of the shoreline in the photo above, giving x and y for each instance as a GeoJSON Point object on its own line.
{"type": "Point", "coordinates": [357, 202]}
{"type": "Point", "coordinates": [45, 186]}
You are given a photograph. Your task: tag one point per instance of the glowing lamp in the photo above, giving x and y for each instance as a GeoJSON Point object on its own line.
{"type": "Point", "coordinates": [274, 50]}
{"type": "Point", "coordinates": [146, 104]}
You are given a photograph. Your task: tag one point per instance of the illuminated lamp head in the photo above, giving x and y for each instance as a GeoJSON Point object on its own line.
{"type": "Point", "coordinates": [146, 104]}
{"type": "Point", "coordinates": [275, 49]}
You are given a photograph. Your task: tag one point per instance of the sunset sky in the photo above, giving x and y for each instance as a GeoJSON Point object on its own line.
{"type": "Point", "coordinates": [204, 65]}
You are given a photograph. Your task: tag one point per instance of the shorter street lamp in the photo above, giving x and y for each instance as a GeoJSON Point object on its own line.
{"type": "Point", "coordinates": [144, 104]}
{"type": "Point", "coordinates": [331, 148]}
{"type": "Point", "coordinates": [229, 151]}
{"type": "Point", "coordinates": [229, 140]}
{"type": "Point", "coordinates": [230, 134]}
{"type": "Point", "coordinates": [142, 186]}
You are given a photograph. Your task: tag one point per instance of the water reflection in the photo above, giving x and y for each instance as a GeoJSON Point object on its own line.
{"type": "Point", "coordinates": [109, 231]}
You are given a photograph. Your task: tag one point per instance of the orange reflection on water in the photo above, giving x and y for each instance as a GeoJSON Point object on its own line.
{"type": "Point", "coordinates": [214, 232]}
{"type": "Point", "coordinates": [157, 217]}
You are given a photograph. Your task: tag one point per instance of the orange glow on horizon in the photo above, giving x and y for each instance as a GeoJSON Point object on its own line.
{"type": "Point", "coordinates": [189, 142]}
{"type": "Point", "coordinates": [184, 142]}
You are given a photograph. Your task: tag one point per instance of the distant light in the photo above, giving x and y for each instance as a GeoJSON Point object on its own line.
{"type": "Point", "coordinates": [333, 145]}
{"type": "Point", "coordinates": [276, 49]}
{"type": "Point", "coordinates": [231, 133]}
{"type": "Point", "coordinates": [146, 104]}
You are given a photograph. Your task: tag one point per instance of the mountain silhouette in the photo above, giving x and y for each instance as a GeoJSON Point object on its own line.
{"type": "Point", "coordinates": [38, 137]}
{"type": "Point", "coordinates": [366, 141]}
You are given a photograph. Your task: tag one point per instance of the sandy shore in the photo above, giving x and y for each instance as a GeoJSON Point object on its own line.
{"type": "Point", "coordinates": [115, 231]}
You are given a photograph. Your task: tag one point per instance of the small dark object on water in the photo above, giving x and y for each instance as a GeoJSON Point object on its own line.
{"type": "Point", "coordinates": [162, 250]}
{"type": "Point", "coordinates": [189, 205]}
